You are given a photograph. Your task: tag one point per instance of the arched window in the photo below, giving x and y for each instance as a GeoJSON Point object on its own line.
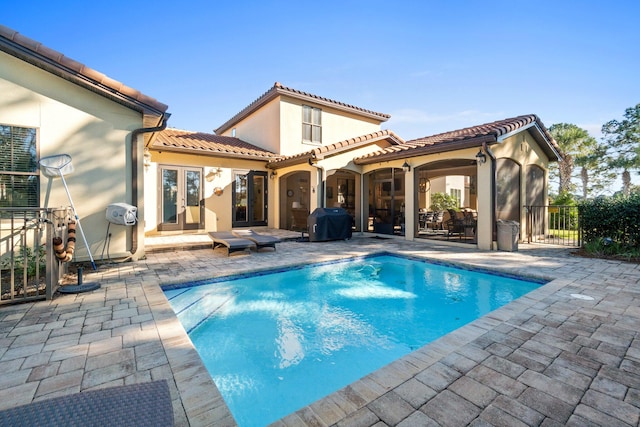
{"type": "Point", "coordinates": [508, 190]}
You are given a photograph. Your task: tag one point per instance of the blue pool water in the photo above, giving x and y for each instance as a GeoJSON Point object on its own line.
{"type": "Point", "coordinates": [274, 343]}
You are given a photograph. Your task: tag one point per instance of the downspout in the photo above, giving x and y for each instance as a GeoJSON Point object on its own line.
{"type": "Point", "coordinates": [494, 180]}
{"type": "Point", "coordinates": [322, 181]}
{"type": "Point", "coordinates": [134, 171]}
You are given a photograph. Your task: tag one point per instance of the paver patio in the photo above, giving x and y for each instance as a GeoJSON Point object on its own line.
{"type": "Point", "coordinates": [549, 358]}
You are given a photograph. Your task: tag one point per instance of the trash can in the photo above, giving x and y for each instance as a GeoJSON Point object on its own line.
{"type": "Point", "coordinates": [508, 235]}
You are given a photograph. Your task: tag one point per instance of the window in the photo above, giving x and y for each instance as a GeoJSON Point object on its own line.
{"type": "Point", "coordinates": [311, 124]}
{"type": "Point", "coordinates": [456, 193]}
{"type": "Point", "coordinates": [19, 177]}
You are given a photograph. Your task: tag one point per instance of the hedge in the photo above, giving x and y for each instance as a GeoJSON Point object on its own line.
{"type": "Point", "coordinates": [617, 218]}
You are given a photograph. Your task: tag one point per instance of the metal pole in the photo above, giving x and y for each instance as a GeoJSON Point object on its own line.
{"type": "Point", "coordinates": [93, 264]}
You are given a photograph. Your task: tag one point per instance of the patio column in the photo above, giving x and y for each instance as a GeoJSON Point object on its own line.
{"type": "Point", "coordinates": [484, 227]}
{"type": "Point", "coordinates": [409, 205]}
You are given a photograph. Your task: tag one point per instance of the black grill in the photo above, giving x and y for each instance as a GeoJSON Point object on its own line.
{"type": "Point", "coordinates": [329, 224]}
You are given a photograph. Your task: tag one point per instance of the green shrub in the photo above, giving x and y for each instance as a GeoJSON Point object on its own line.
{"type": "Point", "coordinates": [442, 202]}
{"type": "Point", "coordinates": [616, 218]}
{"type": "Point", "coordinates": [26, 255]}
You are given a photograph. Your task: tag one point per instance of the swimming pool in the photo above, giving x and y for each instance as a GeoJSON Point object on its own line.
{"type": "Point", "coordinates": [274, 343]}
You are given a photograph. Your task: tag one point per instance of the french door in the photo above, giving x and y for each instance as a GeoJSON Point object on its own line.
{"type": "Point", "coordinates": [180, 198]}
{"type": "Point", "coordinates": [249, 199]}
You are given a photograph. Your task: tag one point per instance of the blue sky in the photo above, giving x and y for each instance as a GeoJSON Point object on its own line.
{"type": "Point", "coordinates": [434, 66]}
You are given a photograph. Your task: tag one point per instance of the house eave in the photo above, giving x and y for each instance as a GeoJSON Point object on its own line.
{"type": "Point", "coordinates": [207, 153]}
{"type": "Point", "coordinates": [51, 66]}
{"type": "Point", "coordinates": [413, 151]}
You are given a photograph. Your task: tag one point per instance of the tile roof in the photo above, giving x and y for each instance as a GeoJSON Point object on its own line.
{"type": "Point", "coordinates": [207, 144]}
{"type": "Point", "coordinates": [337, 148]}
{"type": "Point", "coordinates": [280, 90]}
{"type": "Point", "coordinates": [473, 136]}
{"type": "Point", "coordinates": [37, 54]}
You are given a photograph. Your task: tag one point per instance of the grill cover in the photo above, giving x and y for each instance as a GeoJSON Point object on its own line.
{"type": "Point", "coordinates": [329, 224]}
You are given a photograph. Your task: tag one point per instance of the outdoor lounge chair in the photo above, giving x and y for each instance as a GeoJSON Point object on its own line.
{"type": "Point", "coordinates": [233, 243]}
{"type": "Point", "coordinates": [260, 240]}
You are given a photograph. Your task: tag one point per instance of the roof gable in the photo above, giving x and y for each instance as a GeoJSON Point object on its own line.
{"type": "Point", "coordinates": [199, 143]}
{"type": "Point", "coordinates": [473, 136]}
{"type": "Point", "coordinates": [35, 53]}
{"type": "Point", "coordinates": [280, 90]}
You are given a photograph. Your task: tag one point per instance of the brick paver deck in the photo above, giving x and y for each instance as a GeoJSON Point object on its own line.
{"type": "Point", "coordinates": [553, 357]}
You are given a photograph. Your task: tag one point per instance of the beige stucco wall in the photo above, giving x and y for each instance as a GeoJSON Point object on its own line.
{"type": "Point", "coordinates": [336, 126]}
{"type": "Point", "coordinates": [524, 150]}
{"type": "Point", "coordinates": [92, 130]}
{"type": "Point", "coordinates": [262, 128]}
{"type": "Point", "coordinates": [217, 209]}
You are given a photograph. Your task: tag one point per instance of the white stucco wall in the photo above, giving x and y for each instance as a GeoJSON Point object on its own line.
{"type": "Point", "coordinates": [88, 127]}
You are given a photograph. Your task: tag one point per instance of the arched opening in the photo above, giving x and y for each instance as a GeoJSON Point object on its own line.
{"type": "Point", "coordinates": [342, 191]}
{"type": "Point", "coordinates": [508, 190]}
{"type": "Point", "coordinates": [384, 196]}
{"type": "Point", "coordinates": [294, 199]}
{"type": "Point", "coordinates": [446, 200]}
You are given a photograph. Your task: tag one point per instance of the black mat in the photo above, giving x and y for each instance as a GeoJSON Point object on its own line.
{"type": "Point", "coordinates": [145, 404]}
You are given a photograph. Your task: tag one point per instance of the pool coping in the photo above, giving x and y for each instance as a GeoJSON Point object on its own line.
{"type": "Point", "coordinates": [204, 405]}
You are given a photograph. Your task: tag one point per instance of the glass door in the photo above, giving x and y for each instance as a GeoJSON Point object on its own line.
{"type": "Point", "coordinates": [250, 199]}
{"type": "Point", "coordinates": [180, 198]}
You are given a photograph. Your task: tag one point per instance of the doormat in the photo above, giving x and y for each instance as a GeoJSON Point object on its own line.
{"type": "Point", "coordinates": [144, 404]}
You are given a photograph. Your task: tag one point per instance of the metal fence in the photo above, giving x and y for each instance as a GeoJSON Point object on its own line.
{"type": "Point", "coordinates": [554, 225]}
{"type": "Point", "coordinates": [29, 269]}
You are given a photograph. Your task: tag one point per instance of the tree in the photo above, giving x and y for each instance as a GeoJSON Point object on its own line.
{"type": "Point", "coordinates": [576, 149]}
{"type": "Point", "coordinates": [623, 143]}
{"type": "Point", "coordinates": [443, 201]}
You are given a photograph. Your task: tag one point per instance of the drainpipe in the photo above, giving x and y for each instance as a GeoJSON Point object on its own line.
{"type": "Point", "coordinates": [494, 180]}
{"type": "Point", "coordinates": [321, 173]}
{"type": "Point", "coordinates": [134, 171]}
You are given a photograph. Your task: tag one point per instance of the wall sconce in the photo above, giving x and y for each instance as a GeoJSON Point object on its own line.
{"type": "Point", "coordinates": [406, 167]}
{"type": "Point", "coordinates": [213, 174]}
{"type": "Point", "coordinates": [146, 158]}
{"type": "Point", "coordinates": [273, 174]}
{"type": "Point", "coordinates": [481, 157]}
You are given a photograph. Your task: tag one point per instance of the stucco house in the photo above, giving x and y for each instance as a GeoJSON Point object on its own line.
{"type": "Point", "coordinates": [287, 152]}
{"type": "Point", "coordinates": [290, 150]}
{"type": "Point", "coordinates": [51, 104]}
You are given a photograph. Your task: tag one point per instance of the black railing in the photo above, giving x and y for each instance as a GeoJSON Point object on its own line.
{"type": "Point", "coordinates": [29, 269]}
{"type": "Point", "coordinates": [554, 225]}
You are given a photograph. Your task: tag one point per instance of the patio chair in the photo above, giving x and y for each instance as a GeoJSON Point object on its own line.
{"type": "Point", "coordinates": [260, 240]}
{"type": "Point", "coordinates": [437, 220]}
{"type": "Point", "coordinates": [424, 219]}
{"type": "Point", "coordinates": [233, 243]}
{"type": "Point", "coordinates": [455, 223]}
{"type": "Point", "coordinates": [299, 223]}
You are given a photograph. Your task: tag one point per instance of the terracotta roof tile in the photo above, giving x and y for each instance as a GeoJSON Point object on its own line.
{"type": "Point", "coordinates": [462, 138]}
{"type": "Point", "coordinates": [207, 144]}
{"type": "Point", "coordinates": [338, 147]}
{"type": "Point", "coordinates": [280, 90]}
{"type": "Point", "coordinates": [44, 57]}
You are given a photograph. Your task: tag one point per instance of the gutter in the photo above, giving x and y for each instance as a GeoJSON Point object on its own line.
{"type": "Point", "coordinates": [134, 171]}
{"type": "Point", "coordinates": [494, 180]}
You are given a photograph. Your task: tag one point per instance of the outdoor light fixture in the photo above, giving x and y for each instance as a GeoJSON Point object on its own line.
{"type": "Point", "coordinates": [213, 174]}
{"type": "Point", "coordinates": [406, 167]}
{"type": "Point", "coordinates": [481, 157]}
